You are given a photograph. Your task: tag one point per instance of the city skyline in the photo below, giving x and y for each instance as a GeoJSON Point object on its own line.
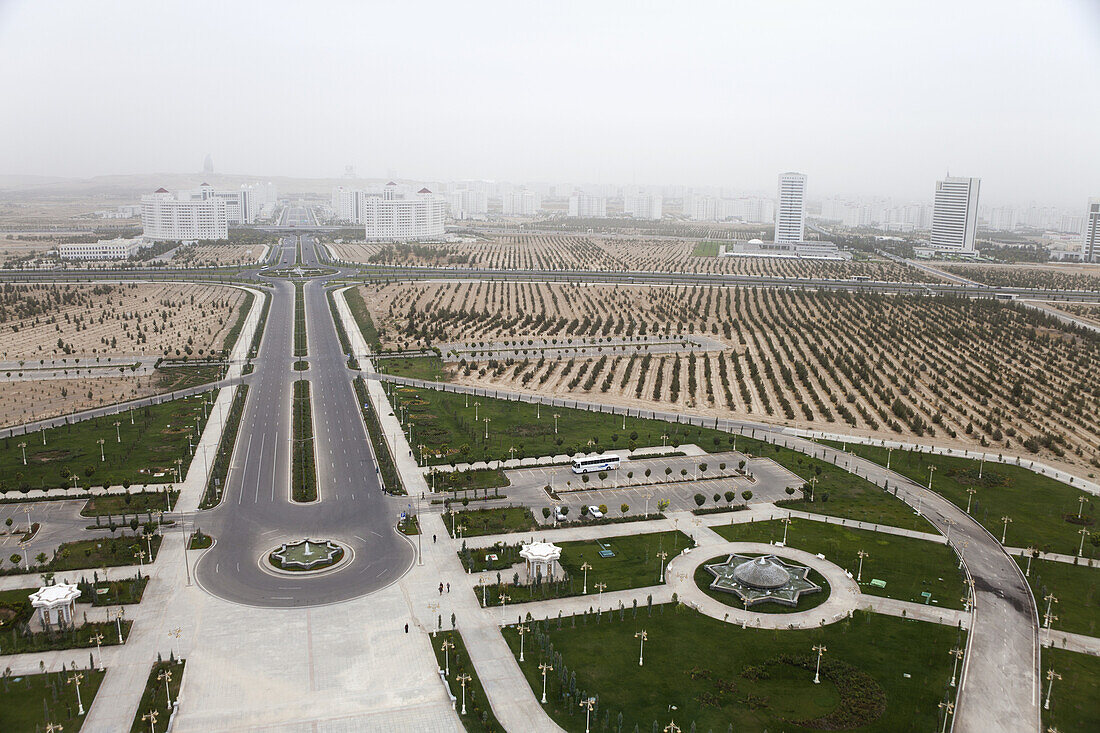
{"type": "Point", "coordinates": [885, 128]}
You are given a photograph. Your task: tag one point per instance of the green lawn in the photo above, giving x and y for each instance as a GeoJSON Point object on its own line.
{"type": "Point", "coordinates": [1043, 511]}
{"type": "Point", "coordinates": [155, 696]}
{"type": "Point", "coordinates": [304, 471]}
{"type": "Point", "coordinates": [362, 318]}
{"type": "Point", "coordinates": [838, 493]}
{"type": "Point", "coordinates": [442, 422]}
{"type": "Point", "coordinates": [477, 522]}
{"type": "Point", "coordinates": [703, 579]}
{"type": "Point", "coordinates": [479, 713]}
{"type": "Point", "coordinates": [79, 637]}
{"type": "Point", "coordinates": [909, 566]}
{"type": "Point", "coordinates": [300, 338]}
{"type": "Point", "coordinates": [29, 702]}
{"type": "Point", "coordinates": [635, 564]}
{"type": "Point", "coordinates": [15, 608]}
{"type": "Point", "coordinates": [481, 478]}
{"type": "Point", "coordinates": [1073, 700]}
{"type": "Point", "coordinates": [139, 502]}
{"type": "Point", "coordinates": [705, 249]}
{"type": "Point", "coordinates": [1077, 589]}
{"type": "Point", "coordinates": [175, 378]}
{"type": "Point", "coordinates": [147, 448]}
{"type": "Point", "coordinates": [101, 552]}
{"type": "Point", "coordinates": [234, 332]}
{"type": "Point", "coordinates": [114, 592]}
{"type": "Point", "coordinates": [878, 674]}
{"type": "Point", "coordinates": [416, 367]}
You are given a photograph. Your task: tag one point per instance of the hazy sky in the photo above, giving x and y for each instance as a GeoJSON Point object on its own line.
{"type": "Point", "coordinates": [865, 97]}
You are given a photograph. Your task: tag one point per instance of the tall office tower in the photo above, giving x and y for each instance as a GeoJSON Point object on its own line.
{"type": "Point", "coordinates": [345, 204]}
{"type": "Point", "coordinates": [239, 205]}
{"type": "Point", "coordinates": [790, 213]}
{"type": "Point", "coordinates": [1091, 250]}
{"type": "Point", "coordinates": [643, 205]}
{"type": "Point", "coordinates": [520, 203]}
{"type": "Point", "coordinates": [955, 214]}
{"type": "Point", "coordinates": [585, 206]}
{"type": "Point", "coordinates": [165, 217]}
{"type": "Point", "coordinates": [208, 165]}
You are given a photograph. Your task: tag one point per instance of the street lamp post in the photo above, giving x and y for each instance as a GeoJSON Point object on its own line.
{"type": "Point", "coordinates": [949, 708]}
{"type": "Point", "coordinates": [76, 677]}
{"type": "Point", "coordinates": [588, 704]}
{"type": "Point", "coordinates": [544, 668]}
{"type": "Point", "coordinates": [118, 621]}
{"type": "Point", "coordinates": [176, 633]}
{"type": "Point", "coordinates": [641, 636]}
{"type": "Point", "coordinates": [786, 523]}
{"type": "Point", "coordinates": [813, 486]}
{"type": "Point", "coordinates": [102, 457]}
{"type": "Point", "coordinates": [957, 653]}
{"type": "Point", "coordinates": [503, 602]}
{"type": "Point", "coordinates": [585, 567]}
{"type": "Point", "coordinates": [556, 416]}
{"type": "Point", "coordinates": [1006, 519]}
{"type": "Point", "coordinates": [476, 405]}
{"type": "Point", "coordinates": [1030, 553]}
{"type": "Point", "coordinates": [950, 523]}
{"type": "Point", "coordinates": [962, 552]}
{"type": "Point", "coordinates": [970, 497]}
{"type": "Point", "coordinates": [433, 607]}
{"type": "Point", "coordinates": [820, 649]}
{"type": "Point", "coordinates": [889, 453]}
{"type": "Point", "coordinates": [661, 573]}
{"type": "Point", "coordinates": [522, 631]}
{"type": "Point", "coordinates": [23, 447]}
{"type": "Point", "coordinates": [140, 555]}
{"type": "Point", "coordinates": [1048, 616]}
{"type": "Point", "coordinates": [166, 676]}
{"type": "Point", "coordinates": [447, 646]}
{"type": "Point", "coordinates": [931, 470]}
{"type": "Point", "coordinates": [1084, 533]}
{"type": "Point", "coordinates": [1080, 499]}
{"type": "Point", "coordinates": [981, 467]}
{"type": "Point", "coordinates": [118, 434]}
{"type": "Point", "coordinates": [1051, 676]}
{"type": "Point", "coordinates": [98, 639]}
{"type": "Point", "coordinates": [599, 596]}
{"type": "Point", "coordinates": [859, 575]}
{"type": "Point", "coordinates": [486, 420]}
{"type": "Point", "coordinates": [463, 679]}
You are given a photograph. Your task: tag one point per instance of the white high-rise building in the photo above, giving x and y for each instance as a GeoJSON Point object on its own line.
{"type": "Point", "coordinates": [586, 206]}
{"type": "Point", "coordinates": [392, 216]}
{"type": "Point", "coordinates": [520, 203]}
{"type": "Point", "coordinates": [790, 213]}
{"type": "Point", "coordinates": [955, 214]}
{"type": "Point", "coordinates": [643, 205]}
{"type": "Point", "coordinates": [240, 206]}
{"type": "Point", "coordinates": [167, 218]}
{"type": "Point", "coordinates": [346, 204]}
{"type": "Point", "coordinates": [467, 203]}
{"type": "Point", "coordinates": [1091, 250]}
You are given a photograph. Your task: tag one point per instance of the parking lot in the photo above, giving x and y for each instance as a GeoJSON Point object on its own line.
{"type": "Point", "coordinates": [768, 483]}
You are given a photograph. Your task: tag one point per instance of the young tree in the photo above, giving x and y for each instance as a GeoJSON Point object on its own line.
{"type": "Point", "coordinates": [746, 495]}
{"type": "Point", "coordinates": [700, 500]}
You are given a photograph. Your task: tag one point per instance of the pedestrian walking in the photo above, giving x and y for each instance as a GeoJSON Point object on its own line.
{"type": "Point", "coordinates": [433, 539]}
{"type": "Point", "coordinates": [440, 589]}
{"type": "Point", "coordinates": [406, 628]}
{"type": "Point", "coordinates": [448, 587]}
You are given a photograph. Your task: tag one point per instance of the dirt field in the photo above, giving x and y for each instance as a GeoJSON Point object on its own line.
{"type": "Point", "coordinates": [565, 252]}
{"type": "Point", "coordinates": [970, 372]}
{"type": "Point", "coordinates": [1089, 312]}
{"type": "Point", "coordinates": [1070, 276]}
{"type": "Point", "coordinates": [82, 321]}
{"type": "Point", "coordinates": [37, 400]}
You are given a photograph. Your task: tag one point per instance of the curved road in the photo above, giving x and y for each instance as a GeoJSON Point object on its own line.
{"type": "Point", "coordinates": [257, 514]}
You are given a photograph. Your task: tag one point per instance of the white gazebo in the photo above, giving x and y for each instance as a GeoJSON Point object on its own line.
{"type": "Point", "coordinates": [56, 604]}
{"type": "Point", "coordinates": [540, 556]}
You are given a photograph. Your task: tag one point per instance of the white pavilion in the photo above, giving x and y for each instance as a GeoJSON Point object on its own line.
{"type": "Point", "coordinates": [55, 604]}
{"type": "Point", "coordinates": [540, 556]}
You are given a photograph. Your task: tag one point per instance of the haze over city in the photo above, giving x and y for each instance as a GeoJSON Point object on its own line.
{"type": "Point", "coordinates": [868, 98]}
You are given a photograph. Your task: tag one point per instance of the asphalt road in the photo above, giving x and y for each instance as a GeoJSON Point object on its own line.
{"type": "Point", "coordinates": [257, 514]}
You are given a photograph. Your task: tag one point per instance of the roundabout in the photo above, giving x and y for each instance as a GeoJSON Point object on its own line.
{"type": "Point", "coordinates": [307, 556]}
{"type": "Point", "coordinates": [790, 589]}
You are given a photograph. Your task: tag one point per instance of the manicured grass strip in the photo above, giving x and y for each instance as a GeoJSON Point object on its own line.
{"type": "Point", "coordinates": [76, 637]}
{"type": "Point", "coordinates": [471, 480]}
{"type": "Point", "coordinates": [155, 697]}
{"type": "Point", "coordinates": [29, 702]}
{"type": "Point", "coordinates": [1077, 588]}
{"type": "Point", "coordinates": [140, 502]}
{"type": "Point", "coordinates": [113, 592]}
{"type": "Point", "coordinates": [90, 554]}
{"type": "Point", "coordinates": [479, 713]}
{"type": "Point", "coordinates": [135, 454]}
{"type": "Point", "coordinates": [362, 318]}
{"type": "Point", "coordinates": [908, 566]}
{"type": "Point", "coordinates": [171, 379]}
{"type": "Point", "coordinates": [416, 367]}
{"type": "Point", "coordinates": [300, 339]}
{"type": "Point", "coordinates": [635, 564]}
{"type": "Point", "coordinates": [391, 479]}
{"type": "Point", "coordinates": [345, 344]}
{"type": "Point", "coordinates": [254, 347]}
{"type": "Point", "coordinates": [879, 673]}
{"type": "Point", "coordinates": [703, 579]}
{"type": "Point", "coordinates": [242, 314]}
{"type": "Point", "coordinates": [705, 249]}
{"type": "Point", "coordinates": [200, 540]}
{"type": "Point", "coordinates": [477, 522]}
{"type": "Point", "coordinates": [219, 471]}
{"type": "Point", "coordinates": [303, 465]}
{"type": "Point", "coordinates": [1073, 699]}
{"type": "Point", "coordinates": [1043, 510]}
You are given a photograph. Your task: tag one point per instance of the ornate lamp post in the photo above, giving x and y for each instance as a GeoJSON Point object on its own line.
{"type": "Point", "coordinates": [522, 630]}
{"type": "Point", "coordinates": [1084, 533]}
{"type": "Point", "coordinates": [433, 607]}
{"type": "Point", "coordinates": [102, 457]}
{"type": "Point", "coordinates": [672, 727]}
{"type": "Point", "coordinates": [140, 555]}
{"type": "Point", "coordinates": [176, 633]}
{"type": "Point", "coordinates": [820, 649]}
{"type": "Point", "coordinates": [98, 639]}
{"type": "Point", "coordinates": [948, 707]}
{"type": "Point", "coordinates": [599, 598]}
{"type": "Point", "coordinates": [544, 668]}
{"type": "Point", "coordinates": [786, 523]}
{"type": "Point", "coordinates": [151, 716]}
{"type": "Point", "coordinates": [970, 497]}
{"type": "Point", "coordinates": [1004, 533]}
{"type": "Point", "coordinates": [462, 680]}
{"type": "Point", "coordinates": [503, 602]}
{"type": "Point", "coordinates": [859, 575]}
{"type": "Point", "coordinates": [166, 676]}
{"type": "Point", "coordinates": [556, 416]}
{"type": "Point", "coordinates": [75, 678]}
{"type": "Point", "coordinates": [585, 567]}
{"type": "Point", "coordinates": [1030, 552]}
{"type": "Point", "coordinates": [588, 704]}
{"type": "Point", "coordinates": [23, 447]}
{"type": "Point", "coordinates": [661, 573]}
{"type": "Point", "coordinates": [118, 434]}
{"type": "Point", "coordinates": [1051, 676]}
{"type": "Point", "coordinates": [642, 636]}
{"type": "Point", "coordinates": [957, 653]}
{"type": "Point", "coordinates": [486, 420]}
{"type": "Point", "coordinates": [447, 646]}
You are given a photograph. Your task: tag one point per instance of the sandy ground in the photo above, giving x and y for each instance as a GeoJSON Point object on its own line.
{"type": "Point", "coordinates": [82, 321]}
{"type": "Point", "coordinates": [1068, 276]}
{"type": "Point", "coordinates": [883, 366]}
{"type": "Point", "coordinates": [36, 400]}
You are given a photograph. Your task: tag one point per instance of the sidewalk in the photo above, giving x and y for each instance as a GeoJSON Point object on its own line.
{"type": "Point", "coordinates": [642, 453]}
{"type": "Point", "coordinates": [1084, 562]}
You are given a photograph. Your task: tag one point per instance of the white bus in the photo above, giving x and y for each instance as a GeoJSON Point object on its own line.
{"type": "Point", "coordinates": [605, 462]}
